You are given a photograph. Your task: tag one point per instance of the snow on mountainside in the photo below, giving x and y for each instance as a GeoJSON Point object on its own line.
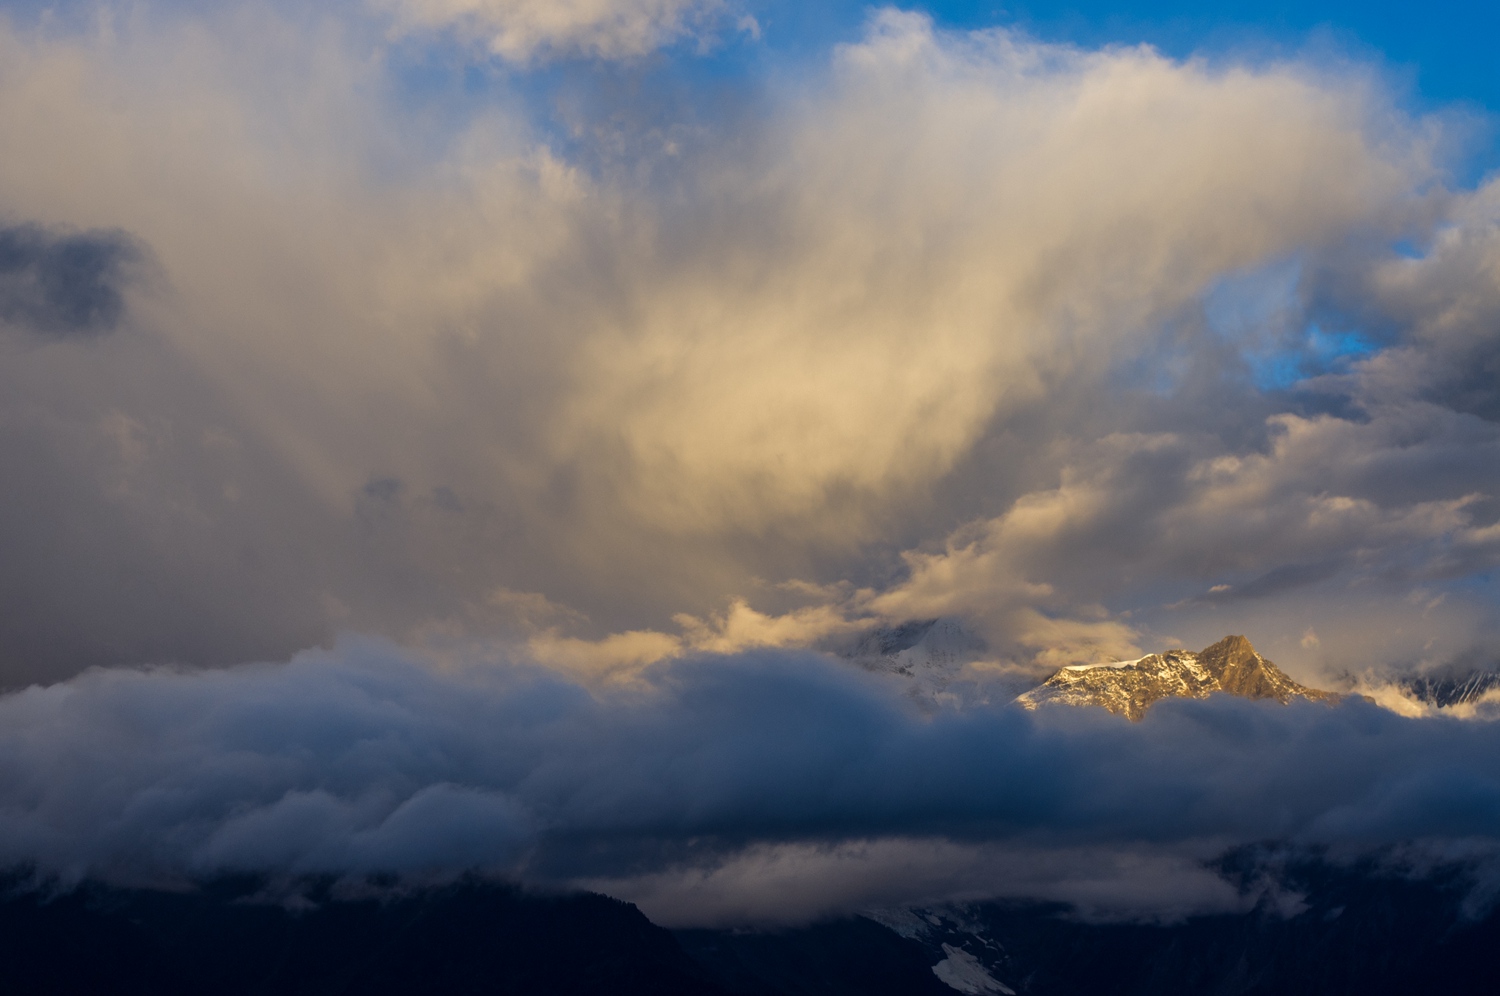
{"type": "Point", "coordinates": [1455, 694]}
{"type": "Point", "coordinates": [962, 971]}
{"type": "Point", "coordinates": [940, 660]}
{"type": "Point", "coordinates": [969, 960]}
{"type": "Point", "coordinates": [1129, 688]}
{"type": "Point", "coordinates": [1455, 691]}
{"type": "Point", "coordinates": [931, 654]}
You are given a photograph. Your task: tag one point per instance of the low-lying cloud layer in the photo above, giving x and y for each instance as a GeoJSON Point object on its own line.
{"type": "Point", "coordinates": [760, 787]}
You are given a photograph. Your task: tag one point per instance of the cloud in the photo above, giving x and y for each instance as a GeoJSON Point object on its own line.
{"type": "Point", "coordinates": [773, 885]}
{"type": "Point", "coordinates": [1439, 307]}
{"type": "Point", "coordinates": [599, 405]}
{"type": "Point", "coordinates": [892, 293]}
{"type": "Point", "coordinates": [523, 30]}
{"type": "Point", "coordinates": [936, 325]}
{"type": "Point", "coordinates": [1325, 502]}
{"type": "Point", "coordinates": [62, 284]}
{"type": "Point", "coordinates": [701, 787]}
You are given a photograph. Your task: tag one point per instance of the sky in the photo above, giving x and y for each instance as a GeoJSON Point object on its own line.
{"type": "Point", "coordinates": [450, 433]}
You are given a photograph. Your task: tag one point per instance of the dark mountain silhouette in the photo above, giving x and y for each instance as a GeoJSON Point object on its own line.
{"type": "Point", "coordinates": [227, 939]}
{"type": "Point", "coordinates": [1341, 931]}
{"type": "Point", "coordinates": [1330, 930]}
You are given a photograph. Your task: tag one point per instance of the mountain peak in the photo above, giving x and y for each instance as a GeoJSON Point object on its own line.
{"type": "Point", "coordinates": [1237, 646]}
{"type": "Point", "coordinates": [1129, 688]}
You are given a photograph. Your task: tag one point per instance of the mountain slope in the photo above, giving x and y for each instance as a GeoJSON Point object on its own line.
{"type": "Point", "coordinates": [1350, 930]}
{"type": "Point", "coordinates": [1129, 688]}
{"type": "Point", "coordinates": [1326, 929]}
{"type": "Point", "coordinates": [1452, 690]}
{"type": "Point", "coordinates": [229, 938]}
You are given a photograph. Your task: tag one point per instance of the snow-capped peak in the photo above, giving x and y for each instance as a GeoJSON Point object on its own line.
{"type": "Point", "coordinates": [1129, 688]}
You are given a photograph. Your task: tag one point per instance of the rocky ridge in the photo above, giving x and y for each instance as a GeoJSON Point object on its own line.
{"type": "Point", "coordinates": [1453, 690]}
{"type": "Point", "coordinates": [1129, 688]}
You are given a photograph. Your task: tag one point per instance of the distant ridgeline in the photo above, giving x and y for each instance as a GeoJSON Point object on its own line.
{"type": "Point", "coordinates": [1129, 688]}
{"type": "Point", "coordinates": [252, 937]}
{"type": "Point", "coordinates": [1348, 930]}
{"type": "Point", "coordinates": [1337, 930]}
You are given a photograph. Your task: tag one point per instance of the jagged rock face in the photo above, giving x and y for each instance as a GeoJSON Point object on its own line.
{"type": "Point", "coordinates": [1456, 690]}
{"type": "Point", "coordinates": [1129, 688]}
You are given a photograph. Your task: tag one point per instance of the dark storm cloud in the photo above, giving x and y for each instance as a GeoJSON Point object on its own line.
{"type": "Point", "coordinates": [362, 760]}
{"type": "Point", "coordinates": [64, 284]}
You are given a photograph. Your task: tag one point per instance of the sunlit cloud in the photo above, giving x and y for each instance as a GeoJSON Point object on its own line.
{"type": "Point", "coordinates": [566, 381]}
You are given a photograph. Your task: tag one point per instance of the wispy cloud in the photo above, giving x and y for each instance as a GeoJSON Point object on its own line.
{"type": "Point", "coordinates": [524, 30]}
